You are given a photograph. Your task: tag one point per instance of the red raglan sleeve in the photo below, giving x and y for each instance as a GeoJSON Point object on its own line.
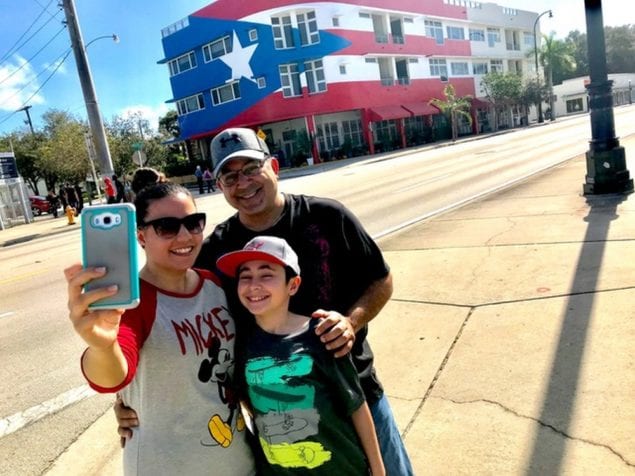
{"type": "Point", "coordinates": [134, 329]}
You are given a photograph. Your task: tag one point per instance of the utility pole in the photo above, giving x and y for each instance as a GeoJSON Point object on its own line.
{"type": "Point", "coordinates": [28, 117]}
{"type": "Point", "coordinates": [88, 89]}
{"type": "Point", "coordinates": [605, 159]}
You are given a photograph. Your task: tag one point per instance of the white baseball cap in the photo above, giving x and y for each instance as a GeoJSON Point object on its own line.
{"type": "Point", "coordinates": [263, 248]}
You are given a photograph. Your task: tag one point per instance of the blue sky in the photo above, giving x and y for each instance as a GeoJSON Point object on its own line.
{"type": "Point", "coordinates": [126, 75]}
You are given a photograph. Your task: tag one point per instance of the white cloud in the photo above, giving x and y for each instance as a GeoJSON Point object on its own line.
{"type": "Point", "coordinates": [149, 113]}
{"type": "Point", "coordinates": [18, 82]}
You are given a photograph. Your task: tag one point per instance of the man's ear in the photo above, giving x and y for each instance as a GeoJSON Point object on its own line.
{"type": "Point", "coordinates": [275, 165]}
{"type": "Point", "coordinates": [294, 285]}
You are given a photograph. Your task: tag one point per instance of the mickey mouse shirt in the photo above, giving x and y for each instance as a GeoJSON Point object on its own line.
{"type": "Point", "coordinates": [180, 354]}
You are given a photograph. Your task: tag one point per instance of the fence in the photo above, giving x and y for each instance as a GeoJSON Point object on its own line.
{"type": "Point", "coordinates": [15, 207]}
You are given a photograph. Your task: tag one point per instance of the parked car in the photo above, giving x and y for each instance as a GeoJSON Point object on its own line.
{"type": "Point", "coordinates": [41, 205]}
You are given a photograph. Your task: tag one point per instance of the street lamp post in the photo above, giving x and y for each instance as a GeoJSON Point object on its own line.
{"type": "Point", "coordinates": [88, 89]}
{"type": "Point", "coordinates": [630, 92]}
{"type": "Point", "coordinates": [540, 117]}
{"type": "Point", "coordinates": [605, 159]}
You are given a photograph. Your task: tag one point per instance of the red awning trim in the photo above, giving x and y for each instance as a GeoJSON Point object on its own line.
{"type": "Point", "coordinates": [385, 113]}
{"type": "Point", "coordinates": [421, 109]}
{"type": "Point", "coordinates": [480, 104]}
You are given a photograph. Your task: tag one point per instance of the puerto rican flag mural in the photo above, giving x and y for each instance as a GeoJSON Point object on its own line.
{"type": "Point", "coordinates": [231, 61]}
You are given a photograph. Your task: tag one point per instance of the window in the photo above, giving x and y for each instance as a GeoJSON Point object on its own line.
{"type": "Point", "coordinates": [370, 60]}
{"type": "Point", "coordinates": [328, 136]}
{"type": "Point", "coordinates": [282, 32]}
{"type": "Point", "coordinates": [253, 35]}
{"type": "Point", "coordinates": [528, 39]}
{"type": "Point", "coordinates": [493, 36]}
{"type": "Point", "coordinates": [290, 80]}
{"type": "Point", "coordinates": [336, 21]}
{"type": "Point", "coordinates": [191, 104]}
{"type": "Point", "coordinates": [316, 82]}
{"type": "Point", "coordinates": [307, 24]}
{"type": "Point", "coordinates": [413, 60]}
{"type": "Point", "coordinates": [496, 66]}
{"type": "Point", "coordinates": [455, 33]}
{"type": "Point", "coordinates": [226, 93]}
{"type": "Point", "coordinates": [386, 131]}
{"type": "Point", "coordinates": [408, 20]}
{"type": "Point", "coordinates": [459, 69]}
{"type": "Point", "coordinates": [262, 82]}
{"type": "Point", "coordinates": [342, 69]}
{"type": "Point", "coordinates": [364, 15]}
{"type": "Point", "coordinates": [353, 132]}
{"type": "Point", "coordinates": [217, 48]}
{"type": "Point", "coordinates": [479, 68]}
{"type": "Point", "coordinates": [574, 105]}
{"type": "Point", "coordinates": [438, 67]}
{"type": "Point", "coordinates": [476, 34]}
{"type": "Point", "coordinates": [434, 29]}
{"type": "Point", "coordinates": [182, 63]}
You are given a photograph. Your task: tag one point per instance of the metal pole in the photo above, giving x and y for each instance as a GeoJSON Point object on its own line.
{"type": "Point", "coordinates": [28, 117]}
{"type": "Point", "coordinates": [88, 89]}
{"type": "Point", "coordinates": [605, 159]}
{"type": "Point", "coordinates": [540, 116]}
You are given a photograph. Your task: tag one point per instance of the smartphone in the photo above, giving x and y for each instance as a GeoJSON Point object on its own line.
{"type": "Point", "coordinates": [109, 240]}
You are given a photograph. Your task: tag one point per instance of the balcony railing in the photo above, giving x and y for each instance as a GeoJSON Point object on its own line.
{"type": "Point", "coordinates": [387, 81]}
{"type": "Point", "coordinates": [403, 81]}
{"type": "Point", "coordinates": [381, 38]}
{"type": "Point", "coordinates": [397, 39]}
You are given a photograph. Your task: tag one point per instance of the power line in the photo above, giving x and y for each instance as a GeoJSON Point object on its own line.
{"type": "Point", "coordinates": [37, 76]}
{"type": "Point", "coordinates": [14, 49]}
{"type": "Point", "coordinates": [6, 118]}
{"type": "Point", "coordinates": [37, 53]}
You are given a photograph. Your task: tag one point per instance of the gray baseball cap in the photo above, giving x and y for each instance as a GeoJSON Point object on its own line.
{"type": "Point", "coordinates": [237, 143]}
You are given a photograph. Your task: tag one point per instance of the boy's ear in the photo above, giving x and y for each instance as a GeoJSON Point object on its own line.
{"type": "Point", "coordinates": [294, 285]}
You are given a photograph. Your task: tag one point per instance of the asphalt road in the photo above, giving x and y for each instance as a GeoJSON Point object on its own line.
{"type": "Point", "coordinates": [43, 404]}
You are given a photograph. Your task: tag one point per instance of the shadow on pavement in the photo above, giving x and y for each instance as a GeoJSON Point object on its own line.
{"type": "Point", "coordinates": [559, 403]}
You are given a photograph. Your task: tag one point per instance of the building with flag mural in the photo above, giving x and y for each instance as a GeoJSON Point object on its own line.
{"type": "Point", "coordinates": [329, 79]}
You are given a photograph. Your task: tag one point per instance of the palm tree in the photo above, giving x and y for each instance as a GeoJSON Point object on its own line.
{"type": "Point", "coordinates": [555, 55]}
{"type": "Point", "coordinates": [453, 106]}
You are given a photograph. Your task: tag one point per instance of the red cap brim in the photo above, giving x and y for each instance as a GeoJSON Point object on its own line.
{"type": "Point", "coordinates": [230, 262]}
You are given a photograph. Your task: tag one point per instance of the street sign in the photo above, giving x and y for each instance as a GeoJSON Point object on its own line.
{"type": "Point", "coordinates": [8, 167]}
{"type": "Point", "coordinates": [261, 134]}
{"type": "Point", "coordinates": [137, 145]}
{"type": "Point", "coordinates": [139, 157]}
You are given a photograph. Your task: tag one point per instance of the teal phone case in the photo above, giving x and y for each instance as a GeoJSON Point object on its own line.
{"type": "Point", "coordinates": [109, 240]}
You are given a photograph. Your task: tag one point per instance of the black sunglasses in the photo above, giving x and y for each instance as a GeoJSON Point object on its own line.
{"type": "Point", "coordinates": [169, 227]}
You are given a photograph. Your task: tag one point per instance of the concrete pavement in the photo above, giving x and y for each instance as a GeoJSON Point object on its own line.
{"type": "Point", "coordinates": [508, 345]}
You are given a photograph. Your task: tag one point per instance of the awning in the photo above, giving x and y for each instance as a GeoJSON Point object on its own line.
{"type": "Point", "coordinates": [385, 113]}
{"type": "Point", "coordinates": [420, 109]}
{"type": "Point", "coordinates": [480, 104]}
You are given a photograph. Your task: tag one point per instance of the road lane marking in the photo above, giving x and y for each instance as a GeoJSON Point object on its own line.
{"type": "Point", "coordinates": [21, 277]}
{"type": "Point", "coordinates": [21, 419]}
{"type": "Point", "coordinates": [7, 314]}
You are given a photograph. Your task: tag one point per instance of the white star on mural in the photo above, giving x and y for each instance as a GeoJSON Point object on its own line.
{"type": "Point", "coordinates": [238, 60]}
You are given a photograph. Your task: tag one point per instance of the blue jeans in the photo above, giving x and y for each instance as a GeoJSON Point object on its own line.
{"type": "Point", "coordinates": [393, 451]}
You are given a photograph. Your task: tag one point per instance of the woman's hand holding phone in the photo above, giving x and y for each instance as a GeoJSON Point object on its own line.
{"type": "Point", "coordinates": [98, 328]}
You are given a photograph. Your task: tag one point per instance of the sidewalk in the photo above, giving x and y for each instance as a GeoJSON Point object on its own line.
{"type": "Point", "coordinates": [508, 345]}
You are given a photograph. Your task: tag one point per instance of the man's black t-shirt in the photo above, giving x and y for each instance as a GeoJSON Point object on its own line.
{"type": "Point", "coordinates": [338, 261]}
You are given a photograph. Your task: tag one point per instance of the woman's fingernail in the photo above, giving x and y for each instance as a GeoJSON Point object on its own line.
{"type": "Point", "coordinates": [100, 269]}
{"type": "Point", "coordinates": [112, 287]}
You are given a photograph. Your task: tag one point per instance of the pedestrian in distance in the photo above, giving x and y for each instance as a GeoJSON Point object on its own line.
{"type": "Point", "coordinates": [177, 381]}
{"type": "Point", "coordinates": [80, 197]}
{"type": "Point", "coordinates": [198, 173]}
{"type": "Point", "coordinates": [54, 203]}
{"type": "Point", "coordinates": [346, 281]}
{"type": "Point", "coordinates": [120, 192]}
{"type": "Point", "coordinates": [321, 408]}
{"type": "Point", "coordinates": [209, 180]}
{"type": "Point", "coordinates": [110, 190]}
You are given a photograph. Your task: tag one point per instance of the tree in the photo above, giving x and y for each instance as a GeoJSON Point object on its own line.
{"type": "Point", "coordinates": [503, 90]}
{"type": "Point", "coordinates": [63, 153]}
{"type": "Point", "coordinates": [556, 57]}
{"type": "Point", "coordinates": [578, 45]}
{"type": "Point", "coordinates": [453, 107]}
{"type": "Point", "coordinates": [533, 92]}
{"type": "Point", "coordinates": [620, 49]}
